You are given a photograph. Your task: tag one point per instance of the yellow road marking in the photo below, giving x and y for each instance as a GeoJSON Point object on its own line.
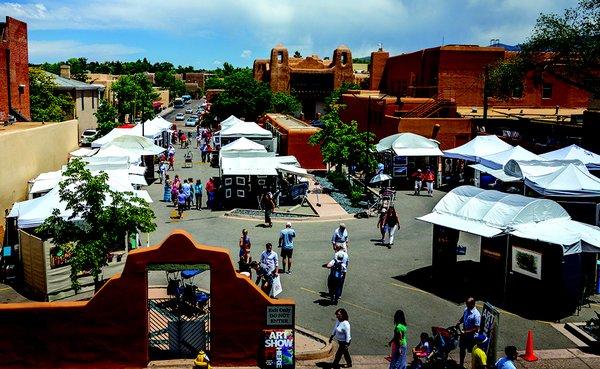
{"type": "Point", "coordinates": [5, 288]}
{"type": "Point", "coordinates": [347, 302]}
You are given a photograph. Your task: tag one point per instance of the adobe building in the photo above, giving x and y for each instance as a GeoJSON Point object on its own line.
{"type": "Point", "coordinates": [14, 71]}
{"type": "Point", "coordinates": [457, 72]}
{"type": "Point", "coordinates": [292, 136]}
{"type": "Point", "coordinates": [310, 79]}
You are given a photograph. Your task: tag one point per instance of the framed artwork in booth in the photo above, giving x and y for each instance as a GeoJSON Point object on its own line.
{"type": "Point", "coordinates": [527, 262]}
{"type": "Point", "coordinates": [228, 181]}
{"type": "Point", "coordinates": [241, 193]}
{"type": "Point", "coordinates": [400, 171]}
{"type": "Point", "coordinates": [240, 181]}
{"type": "Point", "coordinates": [400, 160]}
{"type": "Point", "coordinates": [228, 193]}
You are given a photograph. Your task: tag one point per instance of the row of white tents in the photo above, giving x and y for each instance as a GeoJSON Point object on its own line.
{"type": "Point", "coordinates": [155, 130]}
{"type": "Point", "coordinates": [564, 172]}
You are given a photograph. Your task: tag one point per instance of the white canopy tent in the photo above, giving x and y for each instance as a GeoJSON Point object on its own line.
{"type": "Point", "coordinates": [478, 148]}
{"type": "Point", "coordinates": [496, 173]}
{"type": "Point", "coordinates": [574, 152]}
{"type": "Point", "coordinates": [83, 151]}
{"type": "Point", "coordinates": [246, 129]}
{"type": "Point", "coordinates": [488, 213]}
{"type": "Point", "coordinates": [243, 144]}
{"type": "Point", "coordinates": [409, 144]}
{"type": "Point", "coordinates": [106, 139]}
{"type": "Point", "coordinates": [230, 122]}
{"type": "Point", "coordinates": [534, 168]}
{"type": "Point", "coordinates": [136, 145]}
{"type": "Point", "coordinates": [568, 181]}
{"type": "Point", "coordinates": [497, 161]}
{"type": "Point", "coordinates": [116, 151]}
{"type": "Point", "coordinates": [262, 164]}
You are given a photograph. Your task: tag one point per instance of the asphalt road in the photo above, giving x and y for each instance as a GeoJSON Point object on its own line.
{"type": "Point", "coordinates": [374, 288]}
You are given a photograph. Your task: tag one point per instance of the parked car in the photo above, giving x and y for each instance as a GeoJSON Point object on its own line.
{"type": "Point", "coordinates": [191, 122]}
{"type": "Point", "coordinates": [180, 116]}
{"type": "Point", "coordinates": [88, 136]}
{"type": "Point", "coordinates": [189, 111]}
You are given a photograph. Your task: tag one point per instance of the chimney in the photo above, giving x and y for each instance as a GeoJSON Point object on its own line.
{"type": "Point", "coordinates": [65, 71]}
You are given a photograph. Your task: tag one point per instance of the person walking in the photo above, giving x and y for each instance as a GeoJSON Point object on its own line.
{"type": "Point", "coordinates": [508, 361]}
{"type": "Point", "coordinates": [245, 246]}
{"type": "Point", "coordinates": [390, 225]}
{"type": "Point", "coordinates": [269, 262]}
{"type": "Point", "coordinates": [192, 191]}
{"type": "Point", "coordinates": [175, 190]}
{"type": "Point", "coordinates": [198, 194]}
{"type": "Point", "coordinates": [418, 176]}
{"type": "Point", "coordinates": [471, 321]}
{"type": "Point", "coordinates": [338, 268]}
{"type": "Point", "coordinates": [341, 333]}
{"type": "Point", "coordinates": [429, 178]}
{"type": "Point", "coordinates": [181, 203]}
{"type": "Point", "coordinates": [398, 342]}
{"type": "Point", "coordinates": [162, 170]}
{"type": "Point", "coordinates": [186, 188]}
{"type": "Point", "coordinates": [171, 157]}
{"type": "Point", "coordinates": [286, 242]}
{"type": "Point", "coordinates": [167, 189]}
{"type": "Point", "coordinates": [268, 206]}
{"type": "Point", "coordinates": [340, 237]}
{"type": "Point", "coordinates": [381, 223]}
{"type": "Point", "coordinates": [210, 193]}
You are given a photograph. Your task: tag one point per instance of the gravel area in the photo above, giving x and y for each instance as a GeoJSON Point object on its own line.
{"type": "Point", "coordinates": [253, 213]}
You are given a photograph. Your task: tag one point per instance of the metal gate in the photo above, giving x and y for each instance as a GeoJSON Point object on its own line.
{"type": "Point", "coordinates": [178, 328]}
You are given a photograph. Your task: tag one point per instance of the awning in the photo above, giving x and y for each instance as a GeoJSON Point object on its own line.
{"type": "Point", "coordinates": [460, 224]}
{"type": "Point", "coordinates": [496, 173]}
{"type": "Point", "coordinates": [301, 172]}
{"type": "Point", "coordinates": [478, 148]}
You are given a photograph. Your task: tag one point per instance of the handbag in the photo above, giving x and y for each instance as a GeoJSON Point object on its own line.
{"type": "Point", "coordinates": [276, 288]}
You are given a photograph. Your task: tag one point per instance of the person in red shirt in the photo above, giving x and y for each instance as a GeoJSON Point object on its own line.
{"type": "Point", "coordinates": [429, 178]}
{"type": "Point", "coordinates": [210, 193]}
{"type": "Point", "coordinates": [418, 176]}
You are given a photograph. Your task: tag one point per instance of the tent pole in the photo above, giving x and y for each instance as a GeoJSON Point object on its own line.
{"type": "Point", "coordinates": [505, 270]}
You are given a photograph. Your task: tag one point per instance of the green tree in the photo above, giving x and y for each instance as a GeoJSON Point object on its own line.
{"type": "Point", "coordinates": [335, 98]}
{"type": "Point", "coordinates": [100, 220]}
{"type": "Point", "coordinates": [243, 96]}
{"type": "Point", "coordinates": [78, 68]}
{"type": "Point", "coordinates": [567, 44]}
{"type": "Point", "coordinates": [167, 80]}
{"type": "Point", "coordinates": [343, 144]}
{"type": "Point", "coordinates": [134, 95]}
{"type": "Point", "coordinates": [106, 116]}
{"type": "Point", "coordinates": [214, 83]}
{"type": "Point", "coordinates": [46, 104]}
{"type": "Point", "coordinates": [285, 103]}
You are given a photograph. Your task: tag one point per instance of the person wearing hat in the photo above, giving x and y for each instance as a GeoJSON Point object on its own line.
{"type": "Point", "coordinates": [286, 242]}
{"type": "Point", "coordinates": [340, 237]}
{"type": "Point", "coordinates": [418, 176]}
{"type": "Point", "coordinates": [478, 355]}
{"type": "Point", "coordinates": [338, 267]}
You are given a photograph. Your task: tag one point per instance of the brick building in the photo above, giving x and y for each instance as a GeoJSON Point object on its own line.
{"type": "Point", "coordinates": [311, 79]}
{"type": "Point", "coordinates": [14, 70]}
{"type": "Point", "coordinates": [456, 72]}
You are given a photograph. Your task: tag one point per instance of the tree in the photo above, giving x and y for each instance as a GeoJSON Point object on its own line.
{"type": "Point", "coordinates": [214, 83]}
{"type": "Point", "coordinates": [134, 95]}
{"type": "Point", "coordinates": [297, 54]}
{"type": "Point", "coordinates": [100, 220]}
{"type": "Point", "coordinates": [167, 80]}
{"type": "Point", "coordinates": [106, 116]}
{"type": "Point", "coordinates": [567, 44]}
{"type": "Point", "coordinates": [46, 104]}
{"type": "Point", "coordinates": [243, 96]}
{"type": "Point", "coordinates": [285, 103]}
{"type": "Point", "coordinates": [342, 143]}
{"type": "Point", "coordinates": [335, 98]}
{"type": "Point", "coordinates": [78, 68]}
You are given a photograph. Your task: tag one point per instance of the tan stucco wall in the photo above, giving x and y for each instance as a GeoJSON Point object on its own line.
{"type": "Point", "coordinates": [30, 152]}
{"type": "Point", "coordinates": [85, 113]}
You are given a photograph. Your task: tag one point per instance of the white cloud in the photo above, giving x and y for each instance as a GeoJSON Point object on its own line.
{"type": "Point", "coordinates": [64, 49]}
{"type": "Point", "coordinates": [217, 63]}
{"type": "Point", "coordinates": [246, 54]}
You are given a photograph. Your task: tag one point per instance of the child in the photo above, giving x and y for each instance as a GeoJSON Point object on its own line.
{"type": "Point", "coordinates": [421, 351]}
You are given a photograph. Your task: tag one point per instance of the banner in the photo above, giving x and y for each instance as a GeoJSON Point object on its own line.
{"type": "Point", "coordinates": [490, 318]}
{"type": "Point", "coordinates": [279, 348]}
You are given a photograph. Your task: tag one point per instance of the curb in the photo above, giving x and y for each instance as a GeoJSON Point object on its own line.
{"type": "Point", "coordinates": [323, 353]}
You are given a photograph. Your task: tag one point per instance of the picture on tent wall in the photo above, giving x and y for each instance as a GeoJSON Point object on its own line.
{"type": "Point", "coordinates": [228, 181]}
{"type": "Point", "coordinates": [527, 262]}
{"type": "Point", "coordinates": [240, 181]}
{"type": "Point", "coordinates": [241, 194]}
{"type": "Point", "coordinates": [228, 193]}
{"type": "Point", "coordinates": [400, 171]}
{"type": "Point", "coordinates": [400, 160]}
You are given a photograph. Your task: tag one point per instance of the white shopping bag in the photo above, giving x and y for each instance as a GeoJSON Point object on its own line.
{"type": "Point", "coordinates": [276, 287]}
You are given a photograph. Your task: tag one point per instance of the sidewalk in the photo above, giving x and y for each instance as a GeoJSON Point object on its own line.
{"type": "Point", "coordinates": [324, 205]}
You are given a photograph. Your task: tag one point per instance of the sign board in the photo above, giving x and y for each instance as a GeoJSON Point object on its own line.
{"type": "Point", "coordinates": [278, 348]}
{"type": "Point", "coordinates": [280, 315]}
{"type": "Point", "coordinates": [490, 318]}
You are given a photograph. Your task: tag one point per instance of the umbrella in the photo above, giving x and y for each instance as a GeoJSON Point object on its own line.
{"type": "Point", "coordinates": [136, 145]}
{"type": "Point", "coordinates": [380, 178]}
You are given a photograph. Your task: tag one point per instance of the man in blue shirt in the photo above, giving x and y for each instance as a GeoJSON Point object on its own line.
{"type": "Point", "coordinates": [340, 237]}
{"type": "Point", "coordinates": [286, 242]}
{"type": "Point", "coordinates": [471, 321]}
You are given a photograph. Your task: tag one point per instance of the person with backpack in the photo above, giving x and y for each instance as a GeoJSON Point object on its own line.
{"type": "Point", "coordinates": [338, 267]}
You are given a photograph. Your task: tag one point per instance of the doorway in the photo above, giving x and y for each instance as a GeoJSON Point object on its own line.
{"type": "Point", "coordinates": [178, 310]}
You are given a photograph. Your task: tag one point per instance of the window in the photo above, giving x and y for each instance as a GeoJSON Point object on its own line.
{"type": "Point", "coordinates": [93, 102]}
{"type": "Point", "coordinates": [547, 91]}
{"type": "Point", "coordinates": [344, 58]}
{"type": "Point", "coordinates": [280, 57]}
{"type": "Point", "coordinates": [82, 100]}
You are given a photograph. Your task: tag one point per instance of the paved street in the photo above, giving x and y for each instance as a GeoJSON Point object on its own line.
{"type": "Point", "coordinates": [373, 289]}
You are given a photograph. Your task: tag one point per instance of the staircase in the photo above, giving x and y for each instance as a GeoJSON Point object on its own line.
{"type": "Point", "coordinates": [429, 108]}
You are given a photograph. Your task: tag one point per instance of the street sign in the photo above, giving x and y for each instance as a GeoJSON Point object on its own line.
{"type": "Point", "coordinates": [491, 323]}
{"type": "Point", "coordinates": [280, 315]}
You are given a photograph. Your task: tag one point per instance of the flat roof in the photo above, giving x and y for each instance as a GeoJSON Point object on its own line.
{"type": "Point", "coordinates": [545, 114]}
{"type": "Point", "coordinates": [289, 121]}
{"type": "Point", "coordinates": [22, 126]}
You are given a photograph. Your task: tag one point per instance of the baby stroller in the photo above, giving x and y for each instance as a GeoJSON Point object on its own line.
{"type": "Point", "coordinates": [188, 160]}
{"type": "Point", "coordinates": [444, 340]}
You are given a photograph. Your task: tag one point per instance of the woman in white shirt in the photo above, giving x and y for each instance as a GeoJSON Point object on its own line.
{"type": "Point", "coordinates": [341, 333]}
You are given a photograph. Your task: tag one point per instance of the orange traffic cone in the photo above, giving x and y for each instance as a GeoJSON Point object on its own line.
{"type": "Point", "coordinates": [529, 354]}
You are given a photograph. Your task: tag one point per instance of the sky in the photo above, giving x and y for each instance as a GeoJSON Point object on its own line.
{"type": "Point", "coordinates": [206, 33]}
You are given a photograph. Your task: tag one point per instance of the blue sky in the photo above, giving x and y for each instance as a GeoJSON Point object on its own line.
{"type": "Point", "coordinates": [206, 33]}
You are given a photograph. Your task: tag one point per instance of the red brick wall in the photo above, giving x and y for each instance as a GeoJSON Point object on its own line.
{"type": "Point", "coordinates": [376, 68]}
{"type": "Point", "coordinates": [308, 155]}
{"type": "Point", "coordinates": [357, 108]}
{"type": "Point", "coordinates": [14, 46]}
{"type": "Point", "coordinates": [111, 330]}
{"type": "Point", "coordinates": [399, 73]}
